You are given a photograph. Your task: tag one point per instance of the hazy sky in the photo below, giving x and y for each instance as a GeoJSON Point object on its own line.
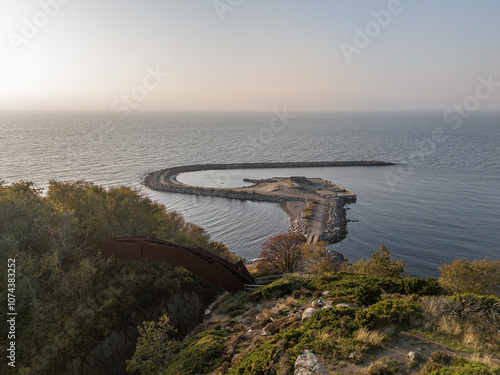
{"type": "Point", "coordinates": [251, 55]}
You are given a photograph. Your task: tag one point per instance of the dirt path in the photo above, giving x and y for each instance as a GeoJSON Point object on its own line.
{"type": "Point", "coordinates": [317, 223]}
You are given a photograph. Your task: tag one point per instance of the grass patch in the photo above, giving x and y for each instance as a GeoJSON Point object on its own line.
{"type": "Point", "coordinates": [199, 355]}
{"type": "Point", "coordinates": [463, 320]}
{"type": "Point", "coordinates": [235, 304]}
{"type": "Point", "coordinates": [284, 286]}
{"type": "Point", "coordinates": [446, 341]}
{"type": "Point", "coordinates": [443, 364]}
{"type": "Point", "coordinates": [266, 358]}
{"type": "Point", "coordinates": [384, 366]}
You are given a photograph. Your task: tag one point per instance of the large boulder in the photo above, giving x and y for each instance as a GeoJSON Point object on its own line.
{"type": "Point", "coordinates": [307, 364]}
{"type": "Point", "coordinates": [335, 256]}
{"type": "Point", "coordinates": [308, 313]}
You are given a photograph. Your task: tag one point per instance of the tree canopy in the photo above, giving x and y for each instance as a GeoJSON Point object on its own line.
{"type": "Point", "coordinates": [67, 299]}
{"type": "Point", "coordinates": [380, 264]}
{"type": "Point", "coordinates": [283, 252]}
{"type": "Point", "coordinates": [478, 276]}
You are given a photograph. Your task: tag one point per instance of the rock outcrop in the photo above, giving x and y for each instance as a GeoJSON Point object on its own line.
{"type": "Point", "coordinates": [307, 364]}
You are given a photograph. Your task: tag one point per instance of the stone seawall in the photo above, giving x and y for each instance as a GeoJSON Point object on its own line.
{"type": "Point", "coordinates": [307, 164]}
{"type": "Point", "coordinates": [165, 179]}
{"type": "Point", "coordinates": [153, 182]}
{"type": "Point", "coordinates": [336, 227]}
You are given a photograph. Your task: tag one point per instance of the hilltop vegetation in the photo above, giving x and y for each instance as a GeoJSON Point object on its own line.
{"type": "Point", "coordinates": [66, 299]}
{"type": "Point", "coordinates": [367, 319]}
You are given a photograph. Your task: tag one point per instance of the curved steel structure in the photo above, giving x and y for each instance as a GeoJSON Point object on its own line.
{"type": "Point", "coordinates": [209, 266]}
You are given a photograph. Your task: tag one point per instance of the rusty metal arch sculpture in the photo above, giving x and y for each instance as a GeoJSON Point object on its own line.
{"type": "Point", "coordinates": [209, 266]}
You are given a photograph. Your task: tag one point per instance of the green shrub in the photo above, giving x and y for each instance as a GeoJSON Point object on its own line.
{"type": "Point", "coordinates": [393, 311]}
{"type": "Point", "coordinates": [333, 318]}
{"type": "Point", "coordinates": [458, 366]}
{"type": "Point", "coordinates": [380, 264]}
{"type": "Point", "coordinates": [480, 277]}
{"type": "Point", "coordinates": [198, 355]}
{"type": "Point", "coordinates": [384, 366]}
{"type": "Point", "coordinates": [280, 288]}
{"type": "Point", "coordinates": [420, 286]}
{"type": "Point", "coordinates": [341, 284]}
{"type": "Point", "coordinates": [441, 358]}
{"type": "Point", "coordinates": [154, 349]}
{"type": "Point", "coordinates": [367, 294]}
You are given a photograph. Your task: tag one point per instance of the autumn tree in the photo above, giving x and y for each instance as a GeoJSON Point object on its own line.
{"type": "Point", "coordinates": [478, 276]}
{"type": "Point", "coordinates": [283, 252]}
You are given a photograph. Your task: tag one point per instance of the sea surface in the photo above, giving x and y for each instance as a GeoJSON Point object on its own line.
{"type": "Point", "coordinates": [441, 202]}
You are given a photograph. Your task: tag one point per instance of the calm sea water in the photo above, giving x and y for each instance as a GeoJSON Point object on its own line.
{"type": "Point", "coordinates": [440, 203]}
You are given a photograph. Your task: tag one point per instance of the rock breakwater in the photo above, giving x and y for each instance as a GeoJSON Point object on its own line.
{"type": "Point", "coordinates": [156, 181]}
{"type": "Point", "coordinates": [307, 164]}
{"type": "Point", "coordinates": [336, 226]}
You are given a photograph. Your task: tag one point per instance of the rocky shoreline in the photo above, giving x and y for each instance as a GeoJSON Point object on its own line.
{"type": "Point", "coordinates": [336, 226]}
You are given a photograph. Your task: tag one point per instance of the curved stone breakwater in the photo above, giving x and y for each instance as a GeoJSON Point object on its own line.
{"type": "Point", "coordinates": [159, 181]}
{"type": "Point", "coordinates": [165, 179]}
{"type": "Point", "coordinates": [167, 173]}
{"type": "Point", "coordinates": [336, 223]}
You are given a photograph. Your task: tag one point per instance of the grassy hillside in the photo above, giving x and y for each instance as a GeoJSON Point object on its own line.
{"type": "Point", "coordinates": [358, 324]}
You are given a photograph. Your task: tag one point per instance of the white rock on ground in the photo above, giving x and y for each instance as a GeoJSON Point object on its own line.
{"type": "Point", "coordinates": [308, 313]}
{"type": "Point", "coordinates": [307, 364]}
{"type": "Point", "coordinates": [414, 356]}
